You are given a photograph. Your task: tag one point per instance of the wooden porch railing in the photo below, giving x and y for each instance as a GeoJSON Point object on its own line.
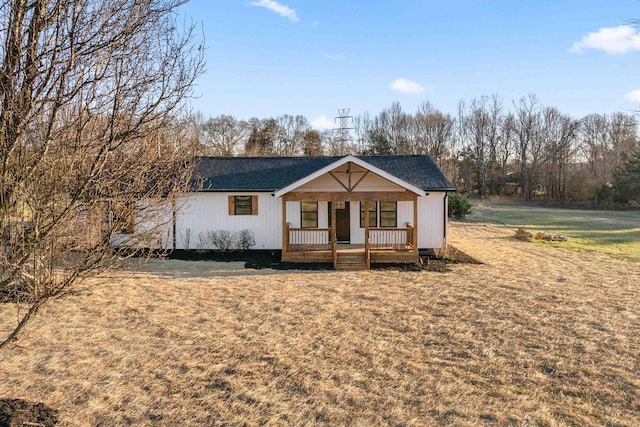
{"type": "Point", "coordinates": [390, 239]}
{"type": "Point", "coordinates": [309, 239]}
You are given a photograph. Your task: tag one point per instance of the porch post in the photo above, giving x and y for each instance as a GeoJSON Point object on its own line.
{"type": "Point", "coordinates": [334, 243]}
{"type": "Point", "coordinates": [366, 232]}
{"type": "Point", "coordinates": [415, 223]}
{"type": "Point", "coordinates": [285, 228]}
{"type": "Point", "coordinates": [366, 224]}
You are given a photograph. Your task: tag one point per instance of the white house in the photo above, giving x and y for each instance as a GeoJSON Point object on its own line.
{"type": "Point", "coordinates": [351, 211]}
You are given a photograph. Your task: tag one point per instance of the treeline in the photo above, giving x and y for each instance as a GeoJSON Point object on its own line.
{"type": "Point", "coordinates": [488, 147]}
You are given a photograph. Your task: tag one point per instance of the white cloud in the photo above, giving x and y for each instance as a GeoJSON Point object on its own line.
{"type": "Point", "coordinates": [406, 86]}
{"type": "Point", "coordinates": [322, 123]}
{"type": "Point", "coordinates": [633, 96]}
{"type": "Point", "coordinates": [613, 40]}
{"type": "Point", "coordinates": [315, 24]}
{"type": "Point", "coordinates": [278, 8]}
{"type": "Point", "coordinates": [333, 56]}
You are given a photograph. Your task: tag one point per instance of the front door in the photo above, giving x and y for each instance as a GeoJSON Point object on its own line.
{"type": "Point", "coordinates": [343, 227]}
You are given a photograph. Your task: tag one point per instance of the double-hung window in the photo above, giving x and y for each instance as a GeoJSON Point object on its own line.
{"type": "Point", "coordinates": [388, 214]}
{"type": "Point", "coordinates": [309, 214]}
{"type": "Point", "coordinates": [373, 214]}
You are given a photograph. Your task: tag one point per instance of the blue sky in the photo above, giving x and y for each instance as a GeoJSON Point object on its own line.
{"type": "Point", "coordinates": [268, 58]}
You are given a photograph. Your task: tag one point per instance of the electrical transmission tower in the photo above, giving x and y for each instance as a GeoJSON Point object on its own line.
{"type": "Point", "coordinates": [343, 132]}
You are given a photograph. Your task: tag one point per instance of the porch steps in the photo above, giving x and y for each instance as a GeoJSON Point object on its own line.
{"type": "Point", "coordinates": [351, 260]}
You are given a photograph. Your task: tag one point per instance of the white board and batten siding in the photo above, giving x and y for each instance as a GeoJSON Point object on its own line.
{"type": "Point", "coordinates": [203, 212]}
{"type": "Point", "coordinates": [432, 220]}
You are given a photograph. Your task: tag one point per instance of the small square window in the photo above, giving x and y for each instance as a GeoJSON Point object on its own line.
{"type": "Point", "coordinates": [242, 205]}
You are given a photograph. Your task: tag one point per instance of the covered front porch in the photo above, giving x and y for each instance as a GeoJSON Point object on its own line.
{"type": "Point", "coordinates": [354, 238]}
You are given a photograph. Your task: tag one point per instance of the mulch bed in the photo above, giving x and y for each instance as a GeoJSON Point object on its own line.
{"type": "Point", "coordinates": [458, 257]}
{"type": "Point", "coordinates": [18, 412]}
{"type": "Point", "coordinates": [271, 259]}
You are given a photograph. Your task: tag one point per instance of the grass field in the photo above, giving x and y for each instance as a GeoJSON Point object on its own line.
{"type": "Point", "coordinates": [536, 335]}
{"type": "Point", "coordinates": [612, 232]}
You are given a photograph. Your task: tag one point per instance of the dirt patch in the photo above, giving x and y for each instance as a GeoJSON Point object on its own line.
{"type": "Point", "coordinates": [18, 412]}
{"type": "Point", "coordinates": [457, 256]}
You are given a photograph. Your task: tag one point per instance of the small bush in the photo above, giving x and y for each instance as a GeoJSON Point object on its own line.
{"type": "Point", "coordinates": [245, 239]}
{"type": "Point", "coordinates": [459, 205]}
{"type": "Point", "coordinates": [223, 240]}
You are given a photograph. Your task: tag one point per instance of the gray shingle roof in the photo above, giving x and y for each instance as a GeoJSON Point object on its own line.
{"type": "Point", "coordinates": [274, 173]}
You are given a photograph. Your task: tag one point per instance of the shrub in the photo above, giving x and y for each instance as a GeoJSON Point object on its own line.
{"type": "Point", "coordinates": [459, 205]}
{"type": "Point", "coordinates": [605, 195]}
{"type": "Point", "coordinates": [186, 238]}
{"type": "Point", "coordinates": [223, 240]}
{"type": "Point", "coordinates": [245, 239]}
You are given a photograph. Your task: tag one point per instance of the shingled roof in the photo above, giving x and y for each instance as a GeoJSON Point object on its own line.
{"type": "Point", "coordinates": [217, 174]}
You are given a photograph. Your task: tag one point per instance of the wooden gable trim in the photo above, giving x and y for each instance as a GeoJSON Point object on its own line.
{"type": "Point", "coordinates": [339, 182]}
{"type": "Point", "coordinates": [359, 180]}
{"type": "Point", "coordinates": [363, 164]}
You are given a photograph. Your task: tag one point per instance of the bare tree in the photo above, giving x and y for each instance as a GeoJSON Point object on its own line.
{"type": "Point", "coordinates": [86, 89]}
{"type": "Point", "coordinates": [292, 134]}
{"type": "Point", "coordinates": [558, 133]}
{"type": "Point", "coordinates": [312, 143]}
{"type": "Point", "coordinates": [265, 137]}
{"type": "Point", "coordinates": [480, 124]}
{"type": "Point", "coordinates": [605, 141]}
{"type": "Point", "coordinates": [505, 147]}
{"type": "Point", "coordinates": [623, 135]}
{"type": "Point", "coordinates": [527, 116]}
{"type": "Point", "coordinates": [431, 133]}
{"type": "Point", "coordinates": [336, 145]}
{"type": "Point", "coordinates": [362, 128]}
{"type": "Point", "coordinates": [223, 135]}
{"type": "Point", "coordinates": [594, 145]}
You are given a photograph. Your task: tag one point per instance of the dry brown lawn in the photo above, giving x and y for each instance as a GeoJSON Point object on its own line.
{"type": "Point", "coordinates": [536, 335]}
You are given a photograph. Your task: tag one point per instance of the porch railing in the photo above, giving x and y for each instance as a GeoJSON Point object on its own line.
{"type": "Point", "coordinates": [376, 239]}
{"type": "Point", "coordinates": [391, 239]}
{"type": "Point", "coordinates": [309, 239]}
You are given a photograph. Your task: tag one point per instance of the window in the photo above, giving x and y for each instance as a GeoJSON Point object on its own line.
{"type": "Point", "coordinates": [309, 214]}
{"type": "Point", "coordinates": [373, 214]}
{"type": "Point", "coordinates": [388, 214]}
{"type": "Point", "coordinates": [243, 205]}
